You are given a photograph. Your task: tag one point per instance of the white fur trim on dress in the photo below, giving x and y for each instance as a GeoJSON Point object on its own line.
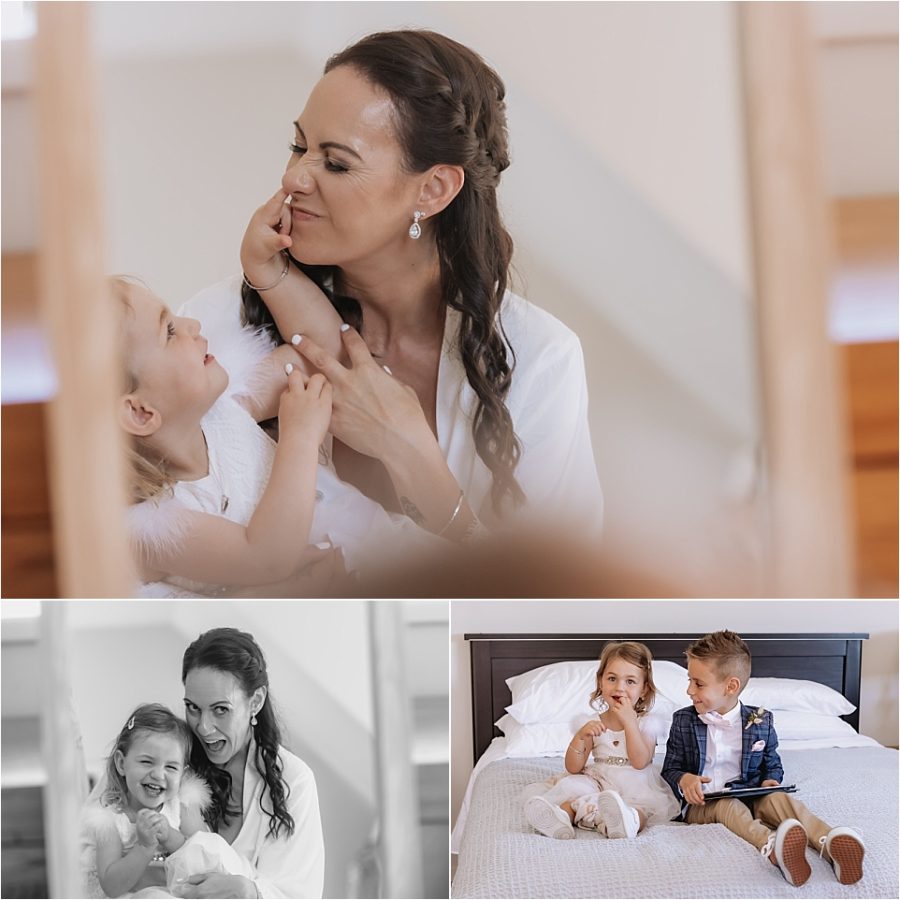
{"type": "Point", "coordinates": [194, 792]}
{"type": "Point", "coordinates": [99, 821]}
{"type": "Point", "coordinates": [158, 526]}
{"type": "Point", "coordinates": [239, 351]}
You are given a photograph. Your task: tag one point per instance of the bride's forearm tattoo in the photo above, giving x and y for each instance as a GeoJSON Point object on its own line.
{"type": "Point", "coordinates": [410, 509]}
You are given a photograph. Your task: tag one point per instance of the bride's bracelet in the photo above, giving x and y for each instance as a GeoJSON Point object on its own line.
{"type": "Point", "coordinates": [281, 277]}
{"type": "Point", "coordinates": [453, 516]}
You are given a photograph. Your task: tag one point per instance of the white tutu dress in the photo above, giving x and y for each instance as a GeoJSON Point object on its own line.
{"type": "Point", "coordinates": [98, 819]}
{"type": "Point", "coordinates": [201, 854]}
{"type": "Point", "coordinates": [642, 789]}
{"type": "Point", "coordinates": [611, 770]}
{"type": "Point", "coordinates": [240, 461]}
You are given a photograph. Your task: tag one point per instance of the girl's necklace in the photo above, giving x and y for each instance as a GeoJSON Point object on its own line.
{"type": "Point", "coordinates": [214, 474]}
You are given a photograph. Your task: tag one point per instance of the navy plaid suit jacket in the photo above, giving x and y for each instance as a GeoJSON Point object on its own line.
{"type": "Point", "coordinates": [686, 750]}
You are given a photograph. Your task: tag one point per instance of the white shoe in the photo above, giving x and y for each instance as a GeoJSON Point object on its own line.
{"type": "Point", "coordinates": [621, 820]}
{"type": "Point", "coordinates": [786, 849]}
{"type": "Point", "coordinates": [846, 849]}
{"type": "Point", "coordinates": [548, 819]}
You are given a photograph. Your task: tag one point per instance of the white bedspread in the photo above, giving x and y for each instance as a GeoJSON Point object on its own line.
{"type": "Point", "coordinates": [502, 856]}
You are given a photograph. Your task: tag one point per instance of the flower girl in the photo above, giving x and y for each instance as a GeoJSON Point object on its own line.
{"type": "Point", "coordinates": [144, 808]}
{"type": "Point", "coordinates": [619, 792]}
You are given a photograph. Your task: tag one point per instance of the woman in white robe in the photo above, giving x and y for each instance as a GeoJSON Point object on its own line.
{"type": "Point", "coordinates": [464, 405]}
{"type": "Point", "coordinates": [264, 798]}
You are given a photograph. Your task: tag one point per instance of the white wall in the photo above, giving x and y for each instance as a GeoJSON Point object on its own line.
{"type": "Point", "coordinates": [327, 641]}
{"type": "Point", "coordinates": [859, 102]}
{"type": "Point", "coordinates": [878, 701]}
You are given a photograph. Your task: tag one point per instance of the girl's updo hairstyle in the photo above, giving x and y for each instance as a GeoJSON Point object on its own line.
{"type": "Point", "coordinates": [148, 717]}
{"type": "Point", "coordinates": [450, 110]}
{"type": "Point", "coordinates": [638, 655]}
{"type": "Point", "coordinates": [237, 653]}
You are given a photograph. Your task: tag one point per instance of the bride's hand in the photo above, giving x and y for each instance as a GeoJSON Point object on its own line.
{"type": "Point", "coordinates": [372, 412]}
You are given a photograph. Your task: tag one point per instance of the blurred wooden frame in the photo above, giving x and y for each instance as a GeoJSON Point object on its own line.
{"type": "Point", "coordinates": [809, 513]}
{"type": "Point", "coordinates": [85, 450]}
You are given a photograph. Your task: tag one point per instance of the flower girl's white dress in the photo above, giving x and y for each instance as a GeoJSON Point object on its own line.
{"type": "Point", "coordinates": [240, 460]}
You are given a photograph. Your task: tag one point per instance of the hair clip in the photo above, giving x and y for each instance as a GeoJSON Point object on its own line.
{"type": "Point", "coordinates": [130, 724]}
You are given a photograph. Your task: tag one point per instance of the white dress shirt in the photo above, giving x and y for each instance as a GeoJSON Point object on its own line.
{"type": "Point", "coordinates": [724, 746]}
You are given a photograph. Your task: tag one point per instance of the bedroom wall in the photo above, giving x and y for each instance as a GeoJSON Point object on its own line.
{"type": "Point", "coordinates": [879, 695]}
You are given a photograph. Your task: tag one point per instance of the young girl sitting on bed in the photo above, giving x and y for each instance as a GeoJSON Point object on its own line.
{"type": "Point", "coordinates": [619, 793]}
{"type": "Point", "coordinates": [146, 806]}
{"type": "Point", "coordinates": [215, 501]}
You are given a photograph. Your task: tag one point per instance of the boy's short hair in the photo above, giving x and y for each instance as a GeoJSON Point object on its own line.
{"type": "Point", "coordinates": [727, 654]}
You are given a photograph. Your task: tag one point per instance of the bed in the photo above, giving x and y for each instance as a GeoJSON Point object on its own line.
{"type": "Point", "coordinates": [500, 855]}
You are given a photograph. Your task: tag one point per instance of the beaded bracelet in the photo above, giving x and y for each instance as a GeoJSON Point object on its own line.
{"type": "Point", "coordinates": [281, 277]}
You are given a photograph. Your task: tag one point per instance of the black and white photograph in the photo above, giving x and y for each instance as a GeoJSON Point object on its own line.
{"type": "Point", "coordinates": [225, 749]}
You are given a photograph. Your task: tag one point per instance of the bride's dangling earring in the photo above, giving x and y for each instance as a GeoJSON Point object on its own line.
{"type": "Point", "coordinates": [253, 720]}
{"type": "Point", "coordinates": [415, 230]}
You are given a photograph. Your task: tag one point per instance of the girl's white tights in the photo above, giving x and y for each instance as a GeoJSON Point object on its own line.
{"type": "Point", "coordinates": [570, 788]}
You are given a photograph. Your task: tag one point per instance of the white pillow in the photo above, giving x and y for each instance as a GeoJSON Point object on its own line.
{"type": "Point", "coordinates": [552, 738]}
{"type": "Point", "coordinates": [553, 693]}
{"type": "Point", "coordinates": [537, 740]}
{"type": "Point", "coordinates": [560, 692]}
{"type": "Point", "coordinates": [797, 695]}
{"type": "Point", "coordinates": [671, 681]}
{"type": "Point", "coordinates": [805, 726]}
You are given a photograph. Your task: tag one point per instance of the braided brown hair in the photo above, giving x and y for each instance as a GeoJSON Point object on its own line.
{"type": "Point", "coordinates": [238, 654]}
{"type": "Point", "coordinates": [450, 110]}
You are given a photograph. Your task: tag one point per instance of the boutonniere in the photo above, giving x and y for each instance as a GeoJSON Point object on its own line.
{"type": "Point", "coordinates": [755, 718]}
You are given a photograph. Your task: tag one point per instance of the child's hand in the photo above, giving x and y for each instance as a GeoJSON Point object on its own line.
{"type": "Point", "coordinates": [161, 828]}
{"type": "Point", "coordinates": [305, 411]}
{"type": "Point", "coordinates": [624, 708]}
{"type": "Point", "coordinates": [691, 788]}
{"type": "Point", "coordinates": [145, 825]}
{"type": "Point", "coordinates": [266, 236]}
{"type": "Point", "coordinates": [590, 730]}
{"type": "Point", "coordinates": [770, 782]}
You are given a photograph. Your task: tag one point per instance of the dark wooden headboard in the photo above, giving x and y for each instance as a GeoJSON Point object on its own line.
{"type": "Point", "coordinates": [831, 659]}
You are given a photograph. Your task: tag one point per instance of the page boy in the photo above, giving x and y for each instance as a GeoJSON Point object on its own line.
{"type": "Point", "coordinates": [718, 742]}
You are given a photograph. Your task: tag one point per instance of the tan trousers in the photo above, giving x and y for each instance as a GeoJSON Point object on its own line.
{"type": "Point", "coordinates": [755, 824]}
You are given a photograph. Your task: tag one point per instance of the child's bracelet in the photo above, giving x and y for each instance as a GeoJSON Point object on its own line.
{"type": "Point", "coordinates": [281, 277]}
{"type": "Point", "coordinates": [580, 752]}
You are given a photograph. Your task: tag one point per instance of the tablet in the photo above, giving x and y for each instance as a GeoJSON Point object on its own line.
{"type": "Point", "coordinates": [744, 792]}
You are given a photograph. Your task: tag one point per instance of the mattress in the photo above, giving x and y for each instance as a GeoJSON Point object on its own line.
{"type": "Point", "coordinates": [500, 855]}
